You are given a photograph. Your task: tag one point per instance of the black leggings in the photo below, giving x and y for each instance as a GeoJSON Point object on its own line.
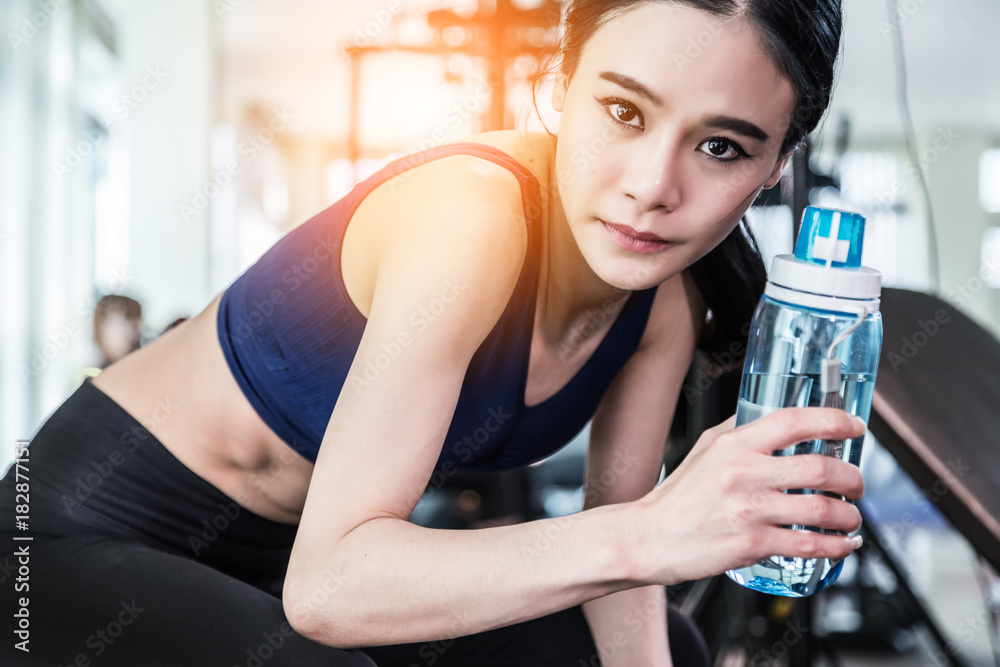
{"type": "Point", "coordinates": [135, 561]}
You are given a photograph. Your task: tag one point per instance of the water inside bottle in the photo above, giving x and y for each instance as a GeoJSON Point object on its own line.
{"type": "Point", "coordinates": [762, 394]}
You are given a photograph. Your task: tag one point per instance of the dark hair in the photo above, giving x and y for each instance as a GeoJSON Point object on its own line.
{"type": "Point", "coordinates": [803, 39]}
{"type": "Point", "coordinates": [129, 307]}
{"type": "Point", "coordinates": [132, 308]}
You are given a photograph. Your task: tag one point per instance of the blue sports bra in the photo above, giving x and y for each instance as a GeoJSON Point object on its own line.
{"type": "Point", "coordinates": [290, 332]}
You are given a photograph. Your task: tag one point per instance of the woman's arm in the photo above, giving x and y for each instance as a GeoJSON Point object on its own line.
{"type": "Point", "coordinates": [359, 573]}
{"type": "Point", "coordinates": [627, 440]}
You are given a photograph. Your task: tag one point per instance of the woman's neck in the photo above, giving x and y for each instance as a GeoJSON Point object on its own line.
{"type": "Point", "coordinates": [569, 292]}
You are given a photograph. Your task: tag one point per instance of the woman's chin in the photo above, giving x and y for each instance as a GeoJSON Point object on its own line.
{"type": "Point", "coordinates": [638, 272]}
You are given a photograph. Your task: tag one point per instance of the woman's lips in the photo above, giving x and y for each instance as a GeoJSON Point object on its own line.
{"type": "Point", "coordinates": [630, 239]}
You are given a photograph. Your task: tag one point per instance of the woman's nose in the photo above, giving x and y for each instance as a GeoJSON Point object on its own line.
{"type": "Point", "coordinates": [652, 178]}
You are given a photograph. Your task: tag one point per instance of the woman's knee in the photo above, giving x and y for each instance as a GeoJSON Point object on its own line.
{"type": "Point", "coordinates": [687, 643]}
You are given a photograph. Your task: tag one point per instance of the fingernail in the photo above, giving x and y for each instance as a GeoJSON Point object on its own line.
{"type": "Point", "coordinates": [855, 541]}
{"type": "Point", "coordinates": [860, 422]}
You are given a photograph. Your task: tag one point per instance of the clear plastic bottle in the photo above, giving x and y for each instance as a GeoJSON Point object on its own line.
{"type": "Point", "coordinates": [814, 340]}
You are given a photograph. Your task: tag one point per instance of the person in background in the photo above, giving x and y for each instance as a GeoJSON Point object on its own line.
{"type": "Point", "coordinates": [118, 330]}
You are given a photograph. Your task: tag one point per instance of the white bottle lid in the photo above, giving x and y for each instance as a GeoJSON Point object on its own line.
{"type": "Point", "coordinates": [848, 283]}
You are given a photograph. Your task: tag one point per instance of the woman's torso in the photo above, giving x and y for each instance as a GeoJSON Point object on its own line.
{"type": "Point", "coordinates": [182, 389]}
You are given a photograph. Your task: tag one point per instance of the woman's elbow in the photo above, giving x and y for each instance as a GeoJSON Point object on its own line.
{"type": "Point", "coordinates": [318, 608]}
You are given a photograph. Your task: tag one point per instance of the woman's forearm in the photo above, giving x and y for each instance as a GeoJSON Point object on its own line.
{"type": "Point", "coordinates": [630, 628]}
{"type": "Point", "coordinates": [389, 581]}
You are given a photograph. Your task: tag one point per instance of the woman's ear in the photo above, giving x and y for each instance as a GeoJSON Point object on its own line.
{"type": "Point", "coordinates": [559, 93]}
{"type": "Point", "coordinates": [779, 167]}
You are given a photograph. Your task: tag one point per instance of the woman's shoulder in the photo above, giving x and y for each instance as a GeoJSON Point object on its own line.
{"type": "Point", "coordinates": [535, 151]}
{"type": "Point", "coordinates": [532, 151]}
{"type": "Point", "coordinates": [453, 191]}
{"type": "Point", "coordinates": [459, 204]}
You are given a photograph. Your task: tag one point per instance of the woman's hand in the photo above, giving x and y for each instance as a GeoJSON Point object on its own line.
{"type": "Point", "coordinates": [724, 506]}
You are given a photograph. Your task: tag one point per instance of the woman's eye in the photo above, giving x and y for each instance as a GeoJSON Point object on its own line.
{"type": "Point", "coordinates": [623, 112]}
{"type": "Point", "coordinates": [722, 149]}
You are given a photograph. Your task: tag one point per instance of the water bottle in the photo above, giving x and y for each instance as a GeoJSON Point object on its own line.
{"type": "Point", "coordinates": [814, 340]}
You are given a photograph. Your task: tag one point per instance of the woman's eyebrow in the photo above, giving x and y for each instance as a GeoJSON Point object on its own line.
{"type": "Point", "coordinates": [628, 83]}
{"type": "Point", "coordinates": [738, 125]}
{"type": "Point", "coordinates": [744, 127]}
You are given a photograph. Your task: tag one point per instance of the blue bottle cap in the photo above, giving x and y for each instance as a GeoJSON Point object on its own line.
{"type": "Point", "coordinates": [831, 238]}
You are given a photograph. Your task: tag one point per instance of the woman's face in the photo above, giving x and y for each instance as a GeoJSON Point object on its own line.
{"type": "Point", "coordinates": [672, 123]}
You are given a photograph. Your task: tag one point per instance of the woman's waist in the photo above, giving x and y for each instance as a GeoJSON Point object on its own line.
{"type": "Point", "coordinates": [181, 391]}
{"type": "Point", "coordinates": [94, 467]}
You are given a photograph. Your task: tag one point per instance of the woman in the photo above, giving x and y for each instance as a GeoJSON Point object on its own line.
{"type": "Point", "coordinates": [239, 490]}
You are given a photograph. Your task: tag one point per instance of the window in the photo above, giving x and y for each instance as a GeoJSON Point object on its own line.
{"type": "Point", "coordinates": [989, 181]}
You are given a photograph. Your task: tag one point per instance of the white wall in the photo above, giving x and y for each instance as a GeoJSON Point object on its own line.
{"type": "Point", "coordinates": [53, 79]}
{"type": "Point", "coordinates": [43, 217]}
{"type": "Point", "coordinates": [169, 151]}
{"type": "Point", "coordinates": [954, 187]}
{"type": "Point", "coordinates": [952, 59]}
{"type": "Point", "coordinates": [953, 67]}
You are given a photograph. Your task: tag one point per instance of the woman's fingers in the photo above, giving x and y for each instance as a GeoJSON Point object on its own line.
{"type": "Point", "coordinates": [790, 426]}
{"type": "Point", "coordinates": [804, 544]}
{"type": "Point", "coordinates": [814, 509]}
{"type": "Point", "coordinates": [816, 471]}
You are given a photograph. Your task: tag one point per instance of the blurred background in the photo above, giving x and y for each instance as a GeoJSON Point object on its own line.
{"type": "Point", "coordinates": [151, 151]}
